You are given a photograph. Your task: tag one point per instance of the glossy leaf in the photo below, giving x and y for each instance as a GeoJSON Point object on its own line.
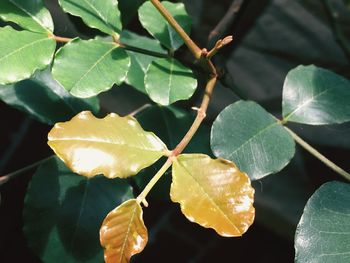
{"type": "Point", "coordinates": [87, 68]}
{"type": "Point", "coordinates": [114, 146]}
{"type": "Point", "coordinates": [316, 96]}
{"type": "Point", "coordinates": [213, 193]}
{"type": "Point", "coordinates": [158, 27]}
{"type": "Point", "coordinates": [21, 58]}
{"type": "Point", "coordinates": [31, 15]}
{"type": "Point", "coordinates": [170, 124]}
{"type": "Point", "coordinates": [123, 232]}
{"type": "Point", "coordinates": [140, 62]}
{"type": "Point", "coordinates": [249, 136]}
{"type": "Point", "coordinates": [102, 15]}
{"type": "Point", "coordinates": [63, 213]}
{"type": "Point", "coordinates": [323, 233]}
{"type": "Point", "coordinates": [44, 99]}
{"type": "Point", "coordinates": [168, 81]}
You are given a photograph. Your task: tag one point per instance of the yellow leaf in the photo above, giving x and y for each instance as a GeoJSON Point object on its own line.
{"type": "Point", "coordinates": [123, 233]}
{"type": "Point", "coordinates": [213, 193]}
{"type": "Point", "coordinates": [114, 146]}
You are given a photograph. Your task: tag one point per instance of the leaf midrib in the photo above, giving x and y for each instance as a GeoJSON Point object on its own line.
{"type": "Point", "coordinates": [92, 67]}
{"type": "Point", "coordinates": [110, 143]}
{"type": "Point", "coordinates": [251, 138]}
{"type": "Point", "coordinates": [127, 232]}
{"type": "Point", "coordinates": [211, 199]}
{"type": "Point", "coordinates": [23, 47]}
{"type": "Point", "coordinates": [308, 101]}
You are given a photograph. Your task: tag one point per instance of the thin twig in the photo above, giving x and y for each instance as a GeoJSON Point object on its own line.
{"type": "Point", "coordinates": [318, 155]}
{"type": "Point", "coordinates": [4, 179]}
{"type": "Point", "coordinates": [226, 22]}
{"type": "Point", "coordinates": [195, 50]}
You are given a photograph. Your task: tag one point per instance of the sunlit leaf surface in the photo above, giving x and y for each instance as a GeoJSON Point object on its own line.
{"type": "Point", "coordinates": [167, 81]}
{"type": "Point", "coordinates": [213, 193]}
{"type": "Point", "coordinates": [316, 96]}
{"type": "Point", "coordinates": [88, 67]}
{"type": "Point", "coordinates": [21, 58]}
{"type": "Point", "coordinates": [158, 27]}
{"type": "Point", "coordinates": [123, 232]}
{"type": "Point", "coordinates": [114, 146]}
{"type": "Point", "coordinates": [31, 15]}
{"type": "Point", "coordinates": [103, 15]}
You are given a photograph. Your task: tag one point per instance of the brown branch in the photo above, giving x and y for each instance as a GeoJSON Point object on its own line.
{"type": "Point", "coordinates": [226, 22]}
{"type": "Point", "coordinates": [195, 50]}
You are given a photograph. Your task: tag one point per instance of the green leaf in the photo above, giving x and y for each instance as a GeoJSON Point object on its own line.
{"type": "Point", "coordinates": [102, 15]}
{"type": "Point", "coordinates": [170, 124]}
{"type": "Point", "coordinates": [64, 211]}
{"type": "Point", "coordinates": [158, 27]}
{"type": "Point", "coordinates": [114, 146]}
{"type": "Point", "coordinates": [44, 99]}
{"type": "Point", "coordinates": [316, 96]}
{"type": "Point", "coordinates": [22, 53]}
{"type": "Point", "coordinates": [213, 193]}
{"type": "Point", "coordinates": [31, 15]}
{"type": "Point", "coordinates": [123, 232]}
{"type": "Point", "coordinates": [168, 81]}
{"type": "Point", "coordinates": [247, 135]}
{"type": "Point", "coordinates": [323, 233]}
{"type": "Point", "coordinates": [140, 62]}
{"type": "Point", "coordinates": [87, 68]}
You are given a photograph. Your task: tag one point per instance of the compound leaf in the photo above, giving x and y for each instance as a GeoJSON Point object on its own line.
{"type": "Point", "coordinates": [31, 15]}
{"type": "Point", "coordinates": [87, 68]}
{"type": "Point", "coordinates": [102, 15]}
{"type": "Point", "coordinates": [316, 96]}
{"type": "Point", "coordinates": [171, 125]}
{"type": "Point", "coordinates": [22, 53]}
{"type": "Point", "coordinates": [213, 193]}
{"type": "Point", "coordinates": [158, 27]}
{"type": "Point", "coordinates": [323, 233]}
{"type": "Point", "coordinates": [123, 232]}
{"type": "Point", "coordinates": [168, 81]}
{"type": "Point", "coordinates": [64, 210]}
{"type": "Point", "coordinates": [114, 146]}
{"type": "Point", "coordinates": [44, 99]}
{"type": "Point", "coordinates": [246, 134]}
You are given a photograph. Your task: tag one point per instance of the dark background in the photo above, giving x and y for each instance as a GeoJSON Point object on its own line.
{"type": "Point", "coordinates": [270, 38]}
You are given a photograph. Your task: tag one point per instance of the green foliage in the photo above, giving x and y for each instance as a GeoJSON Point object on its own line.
{"type": "Point", "coordinates": [30, 15]}
{"type": "Point", "coordinates": [44, 99]}
{"type": "Point", "coordinates": [167, 81]}
{"type": "Point", "coordinates": [30, 52]}
{"type": "Point", "coordinates": [84, 67]}
{"type": "Point", "coordinates": [156, 25]}
{"type": "Point", "coordinates": [64, 210]}
{"type": "Point", "coordinates": [102, 15]}
{"type": "Point", "coordinates": [316, 96]}
{"type": "Point", "coordinates": [323, 232]}
{"type": "Point", "coordinates": [140, 62]}
{"type": "Point", "coordinates": [249, 136]}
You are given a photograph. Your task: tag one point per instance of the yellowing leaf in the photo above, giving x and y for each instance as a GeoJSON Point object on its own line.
{"type": "Point", "coordinates": [213, 193]}
{"type": "Point", "coordinates": [123, 233]}
{"type": "Point", "coordinates": [114, 146]}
